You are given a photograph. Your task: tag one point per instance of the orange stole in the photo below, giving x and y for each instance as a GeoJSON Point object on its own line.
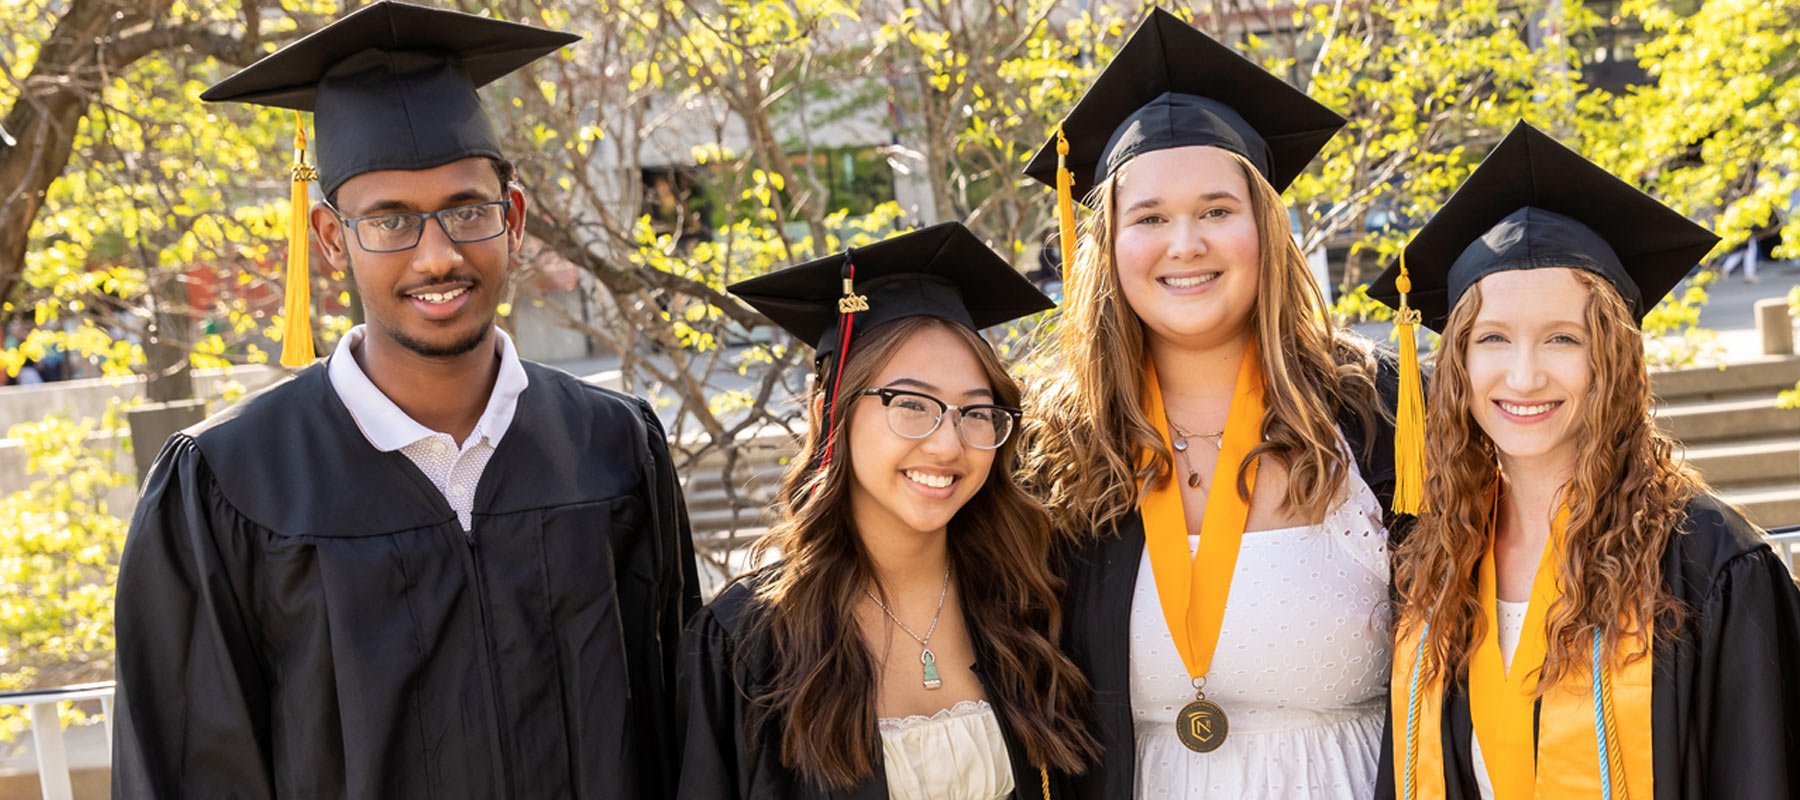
{"type": "Point", "coordinates": [1564, 762]}
{"type": "Point", "coordinates": [1193, 588]}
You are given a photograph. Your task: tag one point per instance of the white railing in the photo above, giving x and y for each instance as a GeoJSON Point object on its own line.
{"type": "Point", "coordinates": [47, 733]}
{"type": "Point", "coordinates": [1785, 541]}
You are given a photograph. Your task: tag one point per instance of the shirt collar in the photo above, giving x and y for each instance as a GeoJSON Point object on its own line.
{"type": "Point", "coordinates": [388, 428]}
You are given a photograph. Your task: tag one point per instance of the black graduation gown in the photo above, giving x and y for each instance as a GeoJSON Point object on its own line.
{"type": "Point", "coordinates": [302, 615]}
{"type": "Point", "coordinates": [719, 761]}
{"type": "Point", "coordinates": [1102, 576]}
{"type": "Point", "coordinates": [1724, 721]}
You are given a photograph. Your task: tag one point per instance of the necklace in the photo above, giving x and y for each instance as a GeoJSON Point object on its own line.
{"type": "Point", "coordinates": [932, 681]}
{"type": "Point", "coordinates": [1180, 442]}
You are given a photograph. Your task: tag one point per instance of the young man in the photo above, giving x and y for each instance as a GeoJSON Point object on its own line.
{"type": "Point", "coordinates": [425, 568]}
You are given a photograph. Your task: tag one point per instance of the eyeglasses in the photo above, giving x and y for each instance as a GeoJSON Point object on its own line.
{"type": "Point", "coordinates": [915, 415]}
{"type": "Point", "coordinates": [392, 233]}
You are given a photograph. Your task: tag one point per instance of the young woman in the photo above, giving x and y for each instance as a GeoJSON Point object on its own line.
{"type": "Point", "coordinates": [1215, 453]}
{"type": "Point", "coordinates": [904, 646]}
{"type": "Point", "coordinates": [1582, 618]}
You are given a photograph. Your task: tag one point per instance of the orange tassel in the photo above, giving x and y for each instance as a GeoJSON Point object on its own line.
{"type": "Point", "coordinates": [1065, 205]}
{"type": "Point", "coordinates": [1409, 418]}
{"type": "Point", "coordinates": [296, 338]}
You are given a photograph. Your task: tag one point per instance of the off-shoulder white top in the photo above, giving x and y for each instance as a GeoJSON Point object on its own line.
{"type": "Point", "coordinates": [955, 754]}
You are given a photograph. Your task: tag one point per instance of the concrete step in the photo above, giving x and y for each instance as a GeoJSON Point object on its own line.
{"type": "Point", "coordinates": [711, 522]}
{"type": "Point", "coordinates": [758, 445]}
{"type": "Point", "coordinates": [1699, 422]}
{"type": "Point", "coordinates": [1725, 464]}
{"type": "Point", "coordinates": [1764, 376]}
{"type": "Point", "coordinates": [1771, 505]}
{"type": "Point", "coordinates": [717, 500]}
{"type": "Point", "coordinates": [712, 479]}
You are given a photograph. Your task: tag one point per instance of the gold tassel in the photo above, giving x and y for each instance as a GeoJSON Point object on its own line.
{"type": "Point", "coordinates": [1409, 418]}
{"type": "Point", "coordinates": [1065, 204]}
{"type": "Point", "coordinates": [296, 337]}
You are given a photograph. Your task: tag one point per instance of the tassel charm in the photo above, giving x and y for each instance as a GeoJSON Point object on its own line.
{"type": "Point", "coordinates": [1065, 205]}
{"type": "Point", "coordinates": [296, 337]}
{"type": "Point", "coordinates": [1409, 417]}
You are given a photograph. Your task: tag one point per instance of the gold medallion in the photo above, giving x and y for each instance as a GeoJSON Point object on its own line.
{"type": "Point", "coordinates": [1202, 726]}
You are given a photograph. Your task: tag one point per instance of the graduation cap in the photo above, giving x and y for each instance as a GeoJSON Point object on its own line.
{"type": "Point", "coordinates": [1173, 86]}
{"type": "Point", "coordinates": [391, 87]}
{"type": "Point", "coordinates": [1534, 204]}
{"type": "Point", "coordinates": [941, 271]}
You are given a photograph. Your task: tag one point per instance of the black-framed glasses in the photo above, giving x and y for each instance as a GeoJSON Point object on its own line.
{"type": "Point", "coordinates": [401, 230]}
{"type": "Point", "coordinates": [916, 415]}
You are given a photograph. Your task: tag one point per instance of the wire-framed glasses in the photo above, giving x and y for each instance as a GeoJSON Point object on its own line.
{"type": "Point", "coordinates": [916, 415]}
{"type": "Point", "coordinates": [401, 230]}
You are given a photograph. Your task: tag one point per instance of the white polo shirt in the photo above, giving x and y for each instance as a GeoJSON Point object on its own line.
{"type": "Point", "coordinates": [454, 471]}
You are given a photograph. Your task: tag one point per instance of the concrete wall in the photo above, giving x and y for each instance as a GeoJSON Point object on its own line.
{"type": "Point", "coordinates": [87, 399]}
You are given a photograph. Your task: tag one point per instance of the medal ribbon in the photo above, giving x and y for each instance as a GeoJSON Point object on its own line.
{"type": "Point", "coordinates": [1193, 589]}
{"type": "Point", "coordinates": [1563, 763]}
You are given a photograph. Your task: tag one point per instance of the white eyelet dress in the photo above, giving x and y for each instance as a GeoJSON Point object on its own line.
{"type": "Point", "coordinates": [1301, 668]}
{"type": "Point", "coordinates": [955, 754]}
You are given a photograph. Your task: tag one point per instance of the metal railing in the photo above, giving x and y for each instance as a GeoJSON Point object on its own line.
{"type": "Point", "coordinates": [1785, 540]}
{"type": "Point", "coordinates": [47, 733]}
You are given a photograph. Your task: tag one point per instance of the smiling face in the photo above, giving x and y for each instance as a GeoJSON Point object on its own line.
{"type": "Point", "coordinates": [917, 485]}
{"type": "Point", "coordinates": [1186, 245]}
{"type": "Point", "coordinates": [1529, 365]}
{"type": "Point", "coordinates": [439, 298]}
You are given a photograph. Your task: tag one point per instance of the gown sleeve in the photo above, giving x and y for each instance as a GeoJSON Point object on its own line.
{"type": "Point", "coordinates": [192, 707]}
{"type": "Point", "coordinates": [676, 596]}
{"type": "Point", "coordinates": [708, 713]}
{"type": "Point", "coordinates": [1384, 762]}
{"type": "Point", "coordinates": [1746, 714]}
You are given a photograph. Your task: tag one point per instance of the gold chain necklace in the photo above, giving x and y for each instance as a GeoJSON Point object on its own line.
{"type": "Point", "coordinates": [1180, 442]}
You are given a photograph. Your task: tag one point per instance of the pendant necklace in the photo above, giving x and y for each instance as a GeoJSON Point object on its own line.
{"type": "Point", "coordinates": [926, 657]}
{"type": "Point", "coordinates": [1201, 725]}
{"type": "Point", "coordinates": [1179, 440]}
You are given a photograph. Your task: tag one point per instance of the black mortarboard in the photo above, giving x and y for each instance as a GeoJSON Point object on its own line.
{"type": "Point", "coordinates": [941, 271]}
{"type": "Point", "coordinates": [1532, 204]}
{"type": "Point", "coordinates": [1173, 86]}
{"type": "Point", "coordinates": [392, 86]}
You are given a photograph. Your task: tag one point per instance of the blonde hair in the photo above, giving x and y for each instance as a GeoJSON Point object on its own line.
{"type": "Point", "coordinates": [1088, 425]}
{"type": "Point", "coordinates": [1625, 500]}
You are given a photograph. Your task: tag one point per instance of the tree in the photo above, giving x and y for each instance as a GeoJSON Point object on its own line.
{"type": "Point", "coordinates": [119, 191]}
{"type": "Point", "coordinates": [59, 552]}
{"type": "Point", "coordinates": [729, 107]}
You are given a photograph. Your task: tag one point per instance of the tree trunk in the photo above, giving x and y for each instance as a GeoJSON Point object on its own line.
{"type": "Point", "coordinates": [166, 342]}
{"type": "Point", "coordinates": [92, 41]}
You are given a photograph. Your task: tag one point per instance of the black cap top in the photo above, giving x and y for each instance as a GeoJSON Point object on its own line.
{"type": "Point", "coordinates": [1173, 86]}
{"type": "Point", "coordinates": [941, 271]}
{"type": "Point", "coordinates": [1533, 204]}
{"type": "Point", "coordinates": [392, 86]}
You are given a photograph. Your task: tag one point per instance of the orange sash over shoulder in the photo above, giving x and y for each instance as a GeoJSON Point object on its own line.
{"type": "Point", "coordinates": [1565, 762]}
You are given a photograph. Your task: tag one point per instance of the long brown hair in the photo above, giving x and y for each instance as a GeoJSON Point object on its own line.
{"type": "Point", "coordinates": [822, 687]}
{"type": "Point", "coordinates": [1625, 499]}
{"type": "Point", "coordinates": [1083, 442]}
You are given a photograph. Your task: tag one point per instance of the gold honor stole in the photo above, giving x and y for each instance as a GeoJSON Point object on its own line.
{"type": "Point", "coordinates": [1565, 761]}
{"type": "Point", "coordinates": [1193, 589]}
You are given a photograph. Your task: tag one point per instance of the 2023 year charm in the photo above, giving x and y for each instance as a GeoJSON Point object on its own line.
{"type": "Point", "coordinates": [1202, 725]}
